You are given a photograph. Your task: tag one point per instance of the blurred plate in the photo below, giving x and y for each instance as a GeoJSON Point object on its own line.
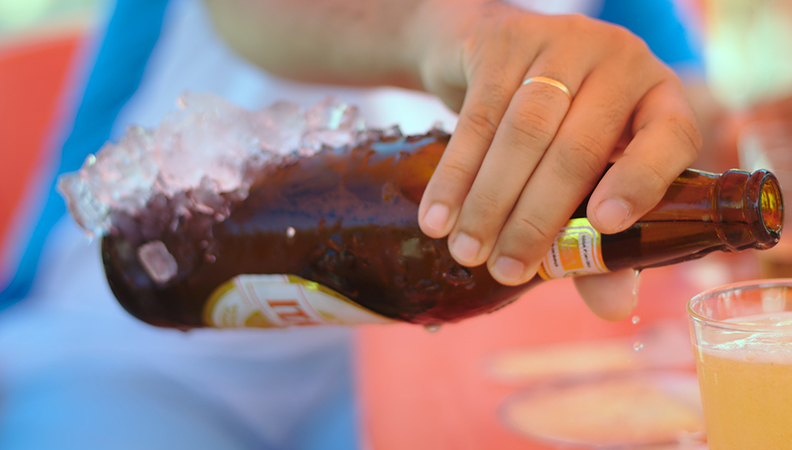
{"type": "Point", "coordinates": [661, 346]}
{"type": "Point", "coordinates": [646, 409]}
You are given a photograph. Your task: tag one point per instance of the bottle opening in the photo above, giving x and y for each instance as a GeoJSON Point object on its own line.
{"type": "Point", "coordinates": [771, 204]}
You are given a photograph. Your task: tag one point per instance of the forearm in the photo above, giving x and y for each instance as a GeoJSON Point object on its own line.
{"type": "Point", "coordinates": [359, 42]}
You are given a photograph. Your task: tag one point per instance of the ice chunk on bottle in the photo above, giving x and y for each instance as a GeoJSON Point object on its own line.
{"type": "Point", "coordinates": [198, 161]}
{"type": "Point", "coordinates": [331, 123]}
{"type": "Point", "coordinates": [159, 264]}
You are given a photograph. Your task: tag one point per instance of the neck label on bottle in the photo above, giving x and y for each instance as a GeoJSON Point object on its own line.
{"type": "Point", "coordinates": [278, 301]}
{"type": "Point", "coordinates": [576, 250]}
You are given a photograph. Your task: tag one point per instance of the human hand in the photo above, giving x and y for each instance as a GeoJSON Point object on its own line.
{"type": "Point", "coordinates": [523, 157]}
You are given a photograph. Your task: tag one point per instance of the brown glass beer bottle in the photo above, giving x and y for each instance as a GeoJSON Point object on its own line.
{"type": "Point", "coordinates": [334, 239]}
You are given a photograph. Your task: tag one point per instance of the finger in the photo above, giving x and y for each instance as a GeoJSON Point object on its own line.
{"type": "Point", "coordinates": [492, 81]}
{"type": "Point", "coordinates": [666, 141]}
{"type": "Point", "coordinates": [569, 170]}
{"type": "Point", "coordinates": [528, 126]}
{"type": "Point", "coordinates": [611, 296]}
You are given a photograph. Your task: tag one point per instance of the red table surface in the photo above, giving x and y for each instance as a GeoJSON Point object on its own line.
{"type": "Point", "coordinates": [422, 390]}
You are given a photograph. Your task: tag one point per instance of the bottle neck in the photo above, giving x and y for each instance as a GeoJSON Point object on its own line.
{"type": "Point", "coordinates": [750, 208]}
{"type": "Point", "coordinates": [701, 213]}
{"type": "Point", "coordinates": [745, 208]}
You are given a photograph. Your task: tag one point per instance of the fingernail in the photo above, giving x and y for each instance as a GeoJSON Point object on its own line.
{"type": "Point", "coordinates": [612, 213]}
{"type": "Point", "coordinates": [436, 217]}
{"type": "Point", "coordinates": [507, 270]}
{"type": "Point", "coordinates": [465, 248]}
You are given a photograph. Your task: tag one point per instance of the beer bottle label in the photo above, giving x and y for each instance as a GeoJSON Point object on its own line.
{"type": "Point", "coordinates": [276, 301]}
{"type": "Point", "coordinates": [576, 250]}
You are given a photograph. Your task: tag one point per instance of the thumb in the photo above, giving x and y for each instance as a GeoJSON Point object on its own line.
{"type": "Point", "coordinates": [611, 296]}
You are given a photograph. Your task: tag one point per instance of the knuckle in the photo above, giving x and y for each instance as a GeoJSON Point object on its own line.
{"type": "Point", "coordinates": [532, 127]}
{"type": "Point", "coordinates": [625, 38]}
{"type": "Point", "coordinates": [631, 47]}
{"type": "Point", "coordinates": [668, 75]}
{"type": "Point", "coordinates": [614, 113]}
{"type": "Point", "coordinates": [458, 170]}
{"type": "Point", "coordinates": [576, 22]}
{"type": "Point", "coordinates": [485, 205]}
{"type": "Point", "coordinates": [510, 27]}
{"type": "Point", "coordinates": [583, 158]}
{"type": "Point", "coordinates": [687, 131]}
{"type": "Point", "coordinates": [523, 238]}
{"type": "Point", "coordinates": [637, 45]}
{"type": "Point", "coordinates": [482, 119]}
{"type": "Point", "coordinates": [653, 179]}
{"type": "Point", "coordinates": [530, 229]}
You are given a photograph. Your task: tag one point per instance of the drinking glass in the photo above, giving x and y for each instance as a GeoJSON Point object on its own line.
{"type": "Point", "coordinates": [742, 341]}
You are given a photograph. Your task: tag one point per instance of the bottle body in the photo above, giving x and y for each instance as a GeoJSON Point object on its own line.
{"type": "Point", "coordinates": [344, 223]}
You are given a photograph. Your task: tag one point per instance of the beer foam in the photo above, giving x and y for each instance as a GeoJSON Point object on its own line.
{"type": "Point", "coordinates": [200, 159]}
{"type": "Point", "coordinates": [770, 345]}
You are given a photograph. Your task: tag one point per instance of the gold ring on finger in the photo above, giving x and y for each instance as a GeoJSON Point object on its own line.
{"type": "Point", "coordinates": [551, 82]}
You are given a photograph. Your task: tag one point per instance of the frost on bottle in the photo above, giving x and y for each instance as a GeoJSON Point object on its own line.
{"type": "Point", "coordinates": [332, 237]}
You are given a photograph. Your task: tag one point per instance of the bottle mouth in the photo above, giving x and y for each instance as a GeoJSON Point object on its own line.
{"type": "Point", "coordinates": [770, 204]}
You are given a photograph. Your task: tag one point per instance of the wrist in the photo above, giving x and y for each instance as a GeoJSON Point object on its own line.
{"type": "Point", "coordinates": [434, 38]}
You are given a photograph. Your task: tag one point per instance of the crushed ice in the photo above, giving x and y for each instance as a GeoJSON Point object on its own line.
{"type": "Point", "coordinates": [199, 161]}
{"type": "Point", "coordinates": [203, 150]}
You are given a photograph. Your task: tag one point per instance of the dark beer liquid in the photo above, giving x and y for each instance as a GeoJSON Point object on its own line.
{"type": "Point", "coordinates": [347, 219]}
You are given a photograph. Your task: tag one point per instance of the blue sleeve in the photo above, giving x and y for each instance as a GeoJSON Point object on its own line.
{"type": "Point", "coordinates": [130, 37]}
{"type": "Point", "coordinates": [658, 23]}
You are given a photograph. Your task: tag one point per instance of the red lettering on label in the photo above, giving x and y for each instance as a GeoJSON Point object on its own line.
{"type": "Point", "coordinates": [292, 312]}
